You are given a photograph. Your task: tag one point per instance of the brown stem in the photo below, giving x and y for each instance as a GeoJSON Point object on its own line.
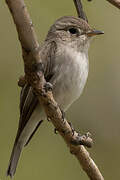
{"type": "Point", "coordinates": [31, 56]}
{"type": "Point", "coordinates": [80, 11]}
{"type": "Point", "coordinates": [115, 3]}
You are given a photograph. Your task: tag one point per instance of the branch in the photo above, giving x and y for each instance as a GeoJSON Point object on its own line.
{"type": "Point", "coordinates": [34, 76]}
{"type": "Point", "coordinates": [80, 11]}
{"type": "Point", "coordinates": [115, 3]}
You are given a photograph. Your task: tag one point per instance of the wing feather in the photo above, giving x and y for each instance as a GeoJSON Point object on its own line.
{"type": "Point", "coordinates": [28, 102]}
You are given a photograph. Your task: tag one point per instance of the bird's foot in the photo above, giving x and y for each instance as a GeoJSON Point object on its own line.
{"type": "Point", "coordinates": [48, 87]}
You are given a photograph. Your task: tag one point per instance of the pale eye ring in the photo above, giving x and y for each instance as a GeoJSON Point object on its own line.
{"type": "Point", "coordinates": [73, 30]}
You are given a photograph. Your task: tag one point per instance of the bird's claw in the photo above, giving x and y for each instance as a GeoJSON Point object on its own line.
{"type": "Point", "coordinates": [48, 87]}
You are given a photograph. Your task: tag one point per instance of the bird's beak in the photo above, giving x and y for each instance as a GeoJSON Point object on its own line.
{"type": "Point", "coordinates": [94, 32]}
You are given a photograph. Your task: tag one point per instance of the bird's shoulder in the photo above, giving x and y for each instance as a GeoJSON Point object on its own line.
{"type": "Point", "coordinates": [47, 55]}
{"type": "Point", "coordinates": [28, 100]}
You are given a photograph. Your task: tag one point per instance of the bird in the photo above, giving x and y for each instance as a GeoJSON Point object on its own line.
{"type": "Point", "coordinates": [64, 54]}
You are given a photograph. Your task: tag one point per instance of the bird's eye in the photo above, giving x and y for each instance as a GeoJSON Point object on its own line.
{"type": "Point", "coordinates": [73, 30]}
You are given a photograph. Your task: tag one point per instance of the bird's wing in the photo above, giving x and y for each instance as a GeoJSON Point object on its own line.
{"type": "Point", "coordinates": [28, 102]}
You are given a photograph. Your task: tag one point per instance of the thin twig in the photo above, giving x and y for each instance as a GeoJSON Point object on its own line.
{"type": "Point", "coordinates": [31, 56]}
{"type": "Point", "coordinates": [115, 3]}
{"type": "Point", "coordinates": [80, 11]}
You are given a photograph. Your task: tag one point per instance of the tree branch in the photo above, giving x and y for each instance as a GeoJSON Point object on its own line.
{"type": "Point", "coordinates": [115, 3]}
{"type": "Point", "coordinates": [80, 11]}
{"type": "Point", "coordinates": [31, 56]}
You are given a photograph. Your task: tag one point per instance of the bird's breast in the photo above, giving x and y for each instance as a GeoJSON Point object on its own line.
{"type": "Point", "coordinates": [71, 71]}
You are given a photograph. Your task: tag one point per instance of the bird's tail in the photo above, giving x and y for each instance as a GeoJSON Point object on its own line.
{"type": "Point", "coordinates": [19, 144]}
{"type": "Point", "coordinates": [14, 159]}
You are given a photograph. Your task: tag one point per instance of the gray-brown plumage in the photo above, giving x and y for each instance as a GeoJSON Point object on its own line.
{"type": "Point", "coordinates": [64, 54]}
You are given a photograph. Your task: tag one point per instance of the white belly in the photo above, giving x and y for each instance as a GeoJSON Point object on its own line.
{"type": "Point", "coordinates": [70, 77]}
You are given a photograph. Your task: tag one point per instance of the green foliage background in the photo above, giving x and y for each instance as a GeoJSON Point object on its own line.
{"type": "Point", "coordinates": [97, 111]}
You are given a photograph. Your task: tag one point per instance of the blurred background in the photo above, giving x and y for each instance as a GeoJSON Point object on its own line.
{"type": "Point", "coordinates": [97, 110]}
